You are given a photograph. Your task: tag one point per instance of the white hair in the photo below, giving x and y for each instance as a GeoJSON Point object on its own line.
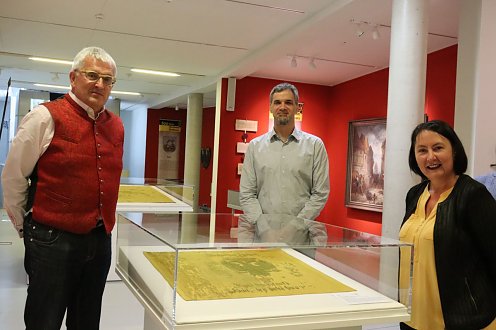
{"type": "Point", "coordinates": [95, 52]}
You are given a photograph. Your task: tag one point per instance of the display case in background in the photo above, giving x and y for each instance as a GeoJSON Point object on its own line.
{"type": "Point", "coordinates": [146, 195]}
{"type": "Point", "coordinates": [154, 195]}
{"type": "Point", "coordinates": [280, 272]}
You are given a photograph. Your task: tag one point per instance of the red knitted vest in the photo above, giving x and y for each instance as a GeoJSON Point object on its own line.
{"type": "Point", "coordinates": [79, 173]}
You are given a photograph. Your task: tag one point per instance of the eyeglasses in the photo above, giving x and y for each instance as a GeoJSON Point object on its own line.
{"type": "Point", "coordinates": [95, 76]}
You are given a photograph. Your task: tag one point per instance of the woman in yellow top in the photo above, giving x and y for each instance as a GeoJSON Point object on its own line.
{"type": "Point", "coordinates": [451, 221]}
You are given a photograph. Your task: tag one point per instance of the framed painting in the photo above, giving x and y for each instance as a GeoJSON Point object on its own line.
{"type": "Point", "coordinates": [365, 164]}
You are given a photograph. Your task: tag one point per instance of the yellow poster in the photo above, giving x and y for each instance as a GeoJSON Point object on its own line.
{"type": "Point", "coordinates": [169, 145]}
{"type": "Point", "coordinates": [208, 275]}
{"type": "Point", "coordinates": [141, 194]}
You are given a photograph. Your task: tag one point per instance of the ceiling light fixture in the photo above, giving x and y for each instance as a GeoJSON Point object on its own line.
{"type": "Point", "coordinates": [50, 60]}
{"type": "Point", "coordinates": [320, 59]}
{"type": "Point", "coordinates": [126, 93]}
{"type": "Point", "coordinates": [294, 63]}
{"type": "Point", "coordinates": [160, 73]}
{"type": "Point", "coordinates": [375, 33]}
{"type": "Point", "coordinates": [52, 86]}
{"type": "Point", "coordinates": [68, 87]}
{"type": "Point", "coordinates": [177, 107]}
{"type": "Point", "coordinates": [359, 31]}
{"type": "Point", "coordinates": [372, 27]}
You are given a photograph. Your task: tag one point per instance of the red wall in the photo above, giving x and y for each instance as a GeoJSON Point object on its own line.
{"type": "Point", "coordinates": [361, 98]}
{"type": "Point", "coordinates": [441, 85]}
{"type": "Point", "coordinates": [252, 103]}
{"type": "Point", "coordinates": [326, 113]}
{"type": "Point", "coordinates": [366, 97]}
{"type": "Point", "coordinates": [152, 126]}
{"type": "Point", "coordinates": [208, 126]}
{"type": "Point", "coordinates": [151, 166]}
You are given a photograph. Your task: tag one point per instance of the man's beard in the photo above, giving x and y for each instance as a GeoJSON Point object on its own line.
{"type": "Point", "coordinates": [282, 120]}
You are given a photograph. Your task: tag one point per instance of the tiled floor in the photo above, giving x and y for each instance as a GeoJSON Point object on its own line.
{"type": "Point", "coordinates": [120, 311]}
{"type": "Point", "coordinates": [120, 308]}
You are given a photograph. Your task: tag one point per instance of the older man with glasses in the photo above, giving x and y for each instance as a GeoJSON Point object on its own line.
{"type": "Point", "coordinates": [60, 183]}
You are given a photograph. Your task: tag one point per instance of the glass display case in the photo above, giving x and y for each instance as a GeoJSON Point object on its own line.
{"type": "Point", "coordinates": [150, 195]}
{"type": "Point", "coordinates": [154, 195]}
{"type": "Point", "coordinates": [225, 271]}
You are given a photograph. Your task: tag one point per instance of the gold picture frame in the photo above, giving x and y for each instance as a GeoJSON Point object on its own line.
{"type": "Point", "coordinates": [365, 164]}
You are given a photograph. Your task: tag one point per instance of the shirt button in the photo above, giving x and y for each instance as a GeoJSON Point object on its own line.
{"type": "Point", "coordinates": [99, 156]}
{"type": "Point", "coordinates": [101, 192]}
{"type": "Point", "coordinates": [98, 145]}
{"type": "Point", "coordinates": [99, 168]}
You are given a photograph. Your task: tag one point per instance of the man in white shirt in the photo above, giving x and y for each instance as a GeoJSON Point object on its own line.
{"type": "Point", "coordinates": [60, 183]}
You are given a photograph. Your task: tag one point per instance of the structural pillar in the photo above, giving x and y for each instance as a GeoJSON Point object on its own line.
{"type": "Point", "coordinates": [192, 163]}
{"type": "Point", "coordinates": [476, 77]}
{"type": "Point", "coordinates": [406, 102]}
{"type": "Point", "coordinates": [193, 144]}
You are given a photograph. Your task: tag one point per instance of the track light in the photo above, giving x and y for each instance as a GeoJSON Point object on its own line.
{"type": "Point", "coordinates": [311, 63]}
{"type": "Point", "coordinates": [375, 33]}
{"type": "Point", "coordinates": [359, 31]}
{"type": "Point", "coordinates": [294, 64]}
{"type": "Point", "coordinates": [177, 107]}
{"type": "Point", "coordinates": [373, 28]}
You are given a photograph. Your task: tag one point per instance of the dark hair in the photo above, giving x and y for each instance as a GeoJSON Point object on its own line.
{"type": "Point", "coordinates": [282, 87]}
{"type": "Point", "coordinates": [440, 127]}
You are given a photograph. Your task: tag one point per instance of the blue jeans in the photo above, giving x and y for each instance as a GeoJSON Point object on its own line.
{"type": "Point", "coordinates": [66, 272]}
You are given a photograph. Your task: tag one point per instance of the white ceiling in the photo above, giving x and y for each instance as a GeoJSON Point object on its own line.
{"type": "Point", "coordinates": [204, 40]}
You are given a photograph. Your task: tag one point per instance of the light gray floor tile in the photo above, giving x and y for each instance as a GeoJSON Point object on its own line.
{"type": "Point", "coordinates": [120, 310]}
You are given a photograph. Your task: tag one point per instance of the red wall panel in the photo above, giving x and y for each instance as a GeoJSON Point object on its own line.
{"type": "Point", "coordinates": [152, 126]}
{"type": "Point", "coordinates": [326, 113]}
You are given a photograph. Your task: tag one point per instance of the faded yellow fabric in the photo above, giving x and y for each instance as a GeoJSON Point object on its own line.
{"type": "Point", "coordinates": [206, 275]}
{"type": "Point", "coordinates": [141, 194]}
{"type": "Point", "coordinates": [418, 229]}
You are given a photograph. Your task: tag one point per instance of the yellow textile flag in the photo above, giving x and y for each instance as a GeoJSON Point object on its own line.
{"type": "Point", "coordinates": [141, 194]}
{"type": "Point", "coordinates": [207, 275]}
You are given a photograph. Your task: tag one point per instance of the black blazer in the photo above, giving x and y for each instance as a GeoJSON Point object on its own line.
{"type": "Point", "coordinates": [465, 253]}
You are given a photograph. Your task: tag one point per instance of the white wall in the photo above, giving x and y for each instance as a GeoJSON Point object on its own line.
{"type": "Point", "coordinates": [134, 140]}
{"type": "Point", "coordinates": [24, 106]}
{"type": "Point", "coordinates": [475, 113]}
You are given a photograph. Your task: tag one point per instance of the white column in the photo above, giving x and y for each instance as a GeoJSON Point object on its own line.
{"type": "Point", "coordinates": [192, 163]}
{"type": "Point", "coordinates": [406, 98]}
{"type": "Point", "coordinates": [193, 144]}
{"type": "Point", "coordinates": [475, 114]}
